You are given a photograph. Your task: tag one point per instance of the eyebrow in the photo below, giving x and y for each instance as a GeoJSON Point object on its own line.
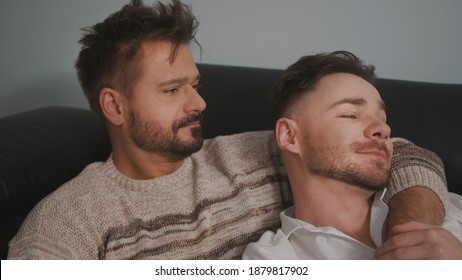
{"type": "Point", "coordinates": [178, 81]}
{"type": "Point", "coordinates": [357, 102]}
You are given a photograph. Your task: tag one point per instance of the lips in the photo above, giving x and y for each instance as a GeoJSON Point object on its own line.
{"type": "Point", "coordinates": [190, 120]}
{"type": "Point", "coordinates": [377, 153]}
{"type": "Point", "coordinates": [373, 149]}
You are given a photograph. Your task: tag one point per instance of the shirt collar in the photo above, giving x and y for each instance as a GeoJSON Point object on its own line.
{"type": "Point", "coordinates": [379, 213]}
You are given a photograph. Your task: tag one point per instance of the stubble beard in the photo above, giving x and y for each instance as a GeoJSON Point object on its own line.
{"type": "Point", "coordinates": [151, 137]}
{"type": "Point", "coordinates": [335, 162]}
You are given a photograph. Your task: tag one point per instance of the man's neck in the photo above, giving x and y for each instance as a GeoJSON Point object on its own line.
{"type": "Point", "coordinates": [140, 165]}
{"type": "Point", "coordinates": [325, 202]}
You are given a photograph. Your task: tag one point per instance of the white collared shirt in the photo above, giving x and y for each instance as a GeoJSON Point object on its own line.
{"type": "Point", "coordinates": [297, 239]}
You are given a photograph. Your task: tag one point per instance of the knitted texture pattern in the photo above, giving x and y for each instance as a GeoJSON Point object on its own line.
{"type": "Point", "coordinates": [413, 166]}
{"type": "Point", "coordinates": [222, 198]}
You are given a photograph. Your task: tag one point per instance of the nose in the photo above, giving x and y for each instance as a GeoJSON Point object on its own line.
{"type": "Point", "coordinates": [378, 129]}
{"type": "Point", "coordinates": [195, 102]}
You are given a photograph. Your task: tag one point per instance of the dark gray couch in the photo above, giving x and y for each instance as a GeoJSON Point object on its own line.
{"type": "Point", "coordinates": [43, 148]}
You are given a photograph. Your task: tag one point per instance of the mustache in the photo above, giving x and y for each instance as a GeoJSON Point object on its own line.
{"type": "Point", "coordinates": [188, 120]}
{"type": "Point", "coordinates": [373, 145]}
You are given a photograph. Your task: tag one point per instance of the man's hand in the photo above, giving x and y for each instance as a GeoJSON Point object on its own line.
{"type": "Point", "coordinates": [418, 241]}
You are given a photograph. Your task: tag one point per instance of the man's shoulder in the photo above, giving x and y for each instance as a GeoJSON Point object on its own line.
{"type": "Point", "coordinates": [245, 141]}
{"type": "Point", "coordinates": [57, 217]}
{"type": "Point", "coordinates": [244, 151]}
{"type": "Point", "coordinates": [77, 189]}
{"type": "Point", "coordinates": [85, 181]}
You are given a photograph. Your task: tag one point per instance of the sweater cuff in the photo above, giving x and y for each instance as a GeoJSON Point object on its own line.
{"type": "Point", "coordinates": [406, 177]}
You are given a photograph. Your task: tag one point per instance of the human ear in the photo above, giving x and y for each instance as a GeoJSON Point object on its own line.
{"type": "Point", "coordinates": [111, 105]}
{"type": "Point", "coordinates": [286, 135]}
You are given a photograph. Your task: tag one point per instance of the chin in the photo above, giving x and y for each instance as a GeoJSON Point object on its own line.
{"type": "Point", "coordinates": [191, 137]}
{"type": "Point", "coordinates": [195, 133]}
{"type": "Point", "coordinates": [185, 149]}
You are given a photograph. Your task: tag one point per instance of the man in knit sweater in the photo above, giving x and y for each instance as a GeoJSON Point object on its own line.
{"type": "Point", "coordinates": [164, 193]}
{"type": "Point", "coordinates": [330, 125]}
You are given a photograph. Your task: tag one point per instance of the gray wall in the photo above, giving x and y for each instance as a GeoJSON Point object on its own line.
{"type": "Point", "coordinates": [406, 39]}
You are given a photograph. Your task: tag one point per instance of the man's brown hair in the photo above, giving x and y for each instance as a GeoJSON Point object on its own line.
{"type": "Point", "coordinates": [302, 77]}
{"type": "Point", "coordinates": [111, 50]}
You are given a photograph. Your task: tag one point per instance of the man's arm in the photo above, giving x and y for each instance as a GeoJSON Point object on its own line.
{"type": "Point", "coordinates": [418, 203]}
{"type": "Point", "coordinates": [418, 189]}
{"type": "Point", "coordinates": [415, 204]}
{"type": "Point", "coordinates": [413, 240]}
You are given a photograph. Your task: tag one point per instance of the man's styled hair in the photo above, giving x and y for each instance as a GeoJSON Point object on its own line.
{"type": "Point", "coordinates": [111, 50]}
{"type": "Point", "coordinates": [302, 77]}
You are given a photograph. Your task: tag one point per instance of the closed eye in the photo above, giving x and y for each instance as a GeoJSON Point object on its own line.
{"type": "Point", "coordinates": [349, 116]}
{"type": "Point", "coordinates": [197, 87]}
{"type": "Point", "coordinates": [171, 91]}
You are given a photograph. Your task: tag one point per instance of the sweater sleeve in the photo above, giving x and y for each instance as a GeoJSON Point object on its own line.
{"type": "Point", "coordinates": [415, 166]}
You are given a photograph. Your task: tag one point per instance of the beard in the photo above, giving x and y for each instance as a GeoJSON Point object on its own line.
{"type": "Point", "coordinates": [336, 162]}
{"type": "Point", "coordinates": [151, 137]}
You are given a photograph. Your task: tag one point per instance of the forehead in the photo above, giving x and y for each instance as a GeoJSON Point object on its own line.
{"type": "Point", "coordinates": [158, 54]}
{"type": "Point", "coordinates": [157, 66]}
{"type": "Point", "coordinates": [341, 86]}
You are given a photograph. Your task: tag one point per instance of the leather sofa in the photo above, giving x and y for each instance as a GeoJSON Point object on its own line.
{"type": "Point", "coordinates": [43, 148]}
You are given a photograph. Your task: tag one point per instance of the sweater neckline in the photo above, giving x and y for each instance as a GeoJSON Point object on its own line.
{"type": "Point", "coordinates": [173, 179]}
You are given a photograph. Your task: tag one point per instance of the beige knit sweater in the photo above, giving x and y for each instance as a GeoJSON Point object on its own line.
{"type": "Point", "coordinates": [222, 198]}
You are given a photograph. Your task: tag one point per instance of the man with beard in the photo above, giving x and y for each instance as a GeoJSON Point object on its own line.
{"type": "Point", "coordinates": [335, 144]}
{"type": "Point", "coordinates": [164, 193]}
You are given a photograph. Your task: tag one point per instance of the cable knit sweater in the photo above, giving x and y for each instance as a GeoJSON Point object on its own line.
{"type": "Point", "coordinates": [222, 198]}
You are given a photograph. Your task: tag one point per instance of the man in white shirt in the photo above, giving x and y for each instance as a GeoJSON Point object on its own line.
{"type": "Point", "coordinates": [330, 125]}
